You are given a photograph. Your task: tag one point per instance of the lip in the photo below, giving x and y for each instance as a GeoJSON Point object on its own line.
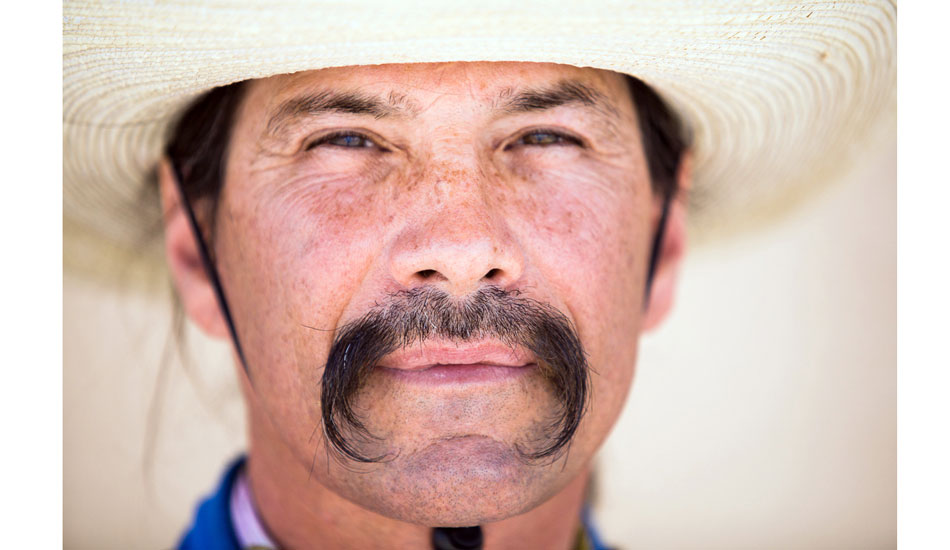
{"type": "Point", "coordinates": [441, 375]}
{"type": "Point", "coordinates": [445, 362]}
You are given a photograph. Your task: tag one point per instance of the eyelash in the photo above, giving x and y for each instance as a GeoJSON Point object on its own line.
{"type": "Point", "coordinates": [559, 139]}
{"type": "Point", "coordinates": [325, 140]}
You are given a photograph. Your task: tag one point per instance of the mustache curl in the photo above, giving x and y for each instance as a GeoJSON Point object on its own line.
{"type": "Point", "coordinates": [412, 316]}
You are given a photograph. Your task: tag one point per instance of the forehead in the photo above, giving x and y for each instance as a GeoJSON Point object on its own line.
{"type": "Point", "coordinates": [419, 87]}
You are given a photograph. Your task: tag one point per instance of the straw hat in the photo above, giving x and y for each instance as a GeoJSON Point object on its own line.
{"type": "Point", "coordinates": [779, 96]}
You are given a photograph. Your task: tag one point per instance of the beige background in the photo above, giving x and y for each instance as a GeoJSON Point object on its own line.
{"type": "Point", "coordinates": [763, 414]}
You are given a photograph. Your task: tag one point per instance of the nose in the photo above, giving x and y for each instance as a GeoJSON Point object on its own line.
{"type": "Point", "coordinates": [459, 244]}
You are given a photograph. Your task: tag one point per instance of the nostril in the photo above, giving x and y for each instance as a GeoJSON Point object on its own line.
{"type": "Point", "coordinates": [493, 273]}
{"type": "Point", "coordinates": [426, 273]}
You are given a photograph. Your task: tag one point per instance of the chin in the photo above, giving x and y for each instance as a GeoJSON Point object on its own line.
{"type": "Point", "coordinates": [457, 482]}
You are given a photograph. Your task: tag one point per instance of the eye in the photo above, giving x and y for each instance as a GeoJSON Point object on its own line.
{"type": "Point", "coordinates": [349, 140]}
{"type": "Point", "coordinates": [544, 137]}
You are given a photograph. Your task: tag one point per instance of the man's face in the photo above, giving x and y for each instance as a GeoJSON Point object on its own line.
{"type": "Point", "coordinates": [356, 190]}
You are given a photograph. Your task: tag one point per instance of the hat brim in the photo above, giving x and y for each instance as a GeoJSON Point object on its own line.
{"type": "Point", "coordinates": [779, 97]}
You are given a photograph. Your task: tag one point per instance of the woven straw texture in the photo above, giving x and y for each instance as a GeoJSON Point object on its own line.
{"type": "Point", "coordinates": [780, 97]}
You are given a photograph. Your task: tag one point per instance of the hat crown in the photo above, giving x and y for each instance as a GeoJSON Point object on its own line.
{"type": "Point", "coordinates": [778, 95]}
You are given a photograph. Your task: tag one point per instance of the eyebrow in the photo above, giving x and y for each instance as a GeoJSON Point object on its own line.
{"type": "Point", "coordinates": [561, 93]}
{"type": "Point", "coordinates": [509, 100]}
{"type": "Point", "coordinates": [346, 102]}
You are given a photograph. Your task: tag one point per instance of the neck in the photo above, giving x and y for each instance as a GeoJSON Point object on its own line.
{"type": "Point", "coordinates": [300, 512]}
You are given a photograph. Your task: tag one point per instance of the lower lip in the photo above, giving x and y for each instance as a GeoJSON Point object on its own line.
{"type": "Point", "coordinates": [459, 374]}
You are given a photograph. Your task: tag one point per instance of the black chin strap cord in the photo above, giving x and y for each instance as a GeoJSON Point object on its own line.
{"type": "Point", "coordinates": [656, 249]}
{"type": "Point", "coordinates": [209, 267]}
{"type": "Point", "coordinates": [457, 538]}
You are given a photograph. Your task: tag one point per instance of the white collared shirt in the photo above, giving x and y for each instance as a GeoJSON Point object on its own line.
{"type": "Point", "coordinates": [247, 525]}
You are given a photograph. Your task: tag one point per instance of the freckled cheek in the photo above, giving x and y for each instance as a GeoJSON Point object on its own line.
{"type": "Point", "coordinates": [582, 222]}
{"type": "Point", "coordinates": [322, 222]}
{"type": "Point", "coordinates": [586, 258]}
{"type": "Point", "coordinates": [584, 229]}
{"type": "Point", "coordinates": [305, 245]}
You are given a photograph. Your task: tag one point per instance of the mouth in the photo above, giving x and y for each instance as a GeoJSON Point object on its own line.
{"type": "Point", "coordinates": [437, 362]}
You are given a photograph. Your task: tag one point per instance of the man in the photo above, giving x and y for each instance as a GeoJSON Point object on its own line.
{"type": "Point", "coordinates": [433, 276]}
{"type": "Point", "coordinates": [426, 233]}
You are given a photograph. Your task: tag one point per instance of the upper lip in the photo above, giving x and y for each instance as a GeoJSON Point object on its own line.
{"type": "Point", "coordinates": [432, 353]}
